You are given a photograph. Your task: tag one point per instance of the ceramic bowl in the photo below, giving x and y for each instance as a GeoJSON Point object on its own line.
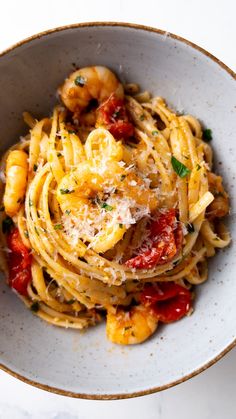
{"type": "Point", "coordinates": [87, 365]}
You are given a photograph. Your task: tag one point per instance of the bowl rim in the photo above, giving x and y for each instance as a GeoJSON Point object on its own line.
{"type": "Point", "coordinates": [229, 346]}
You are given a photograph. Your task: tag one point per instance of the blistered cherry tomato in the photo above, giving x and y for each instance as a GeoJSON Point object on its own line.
{"type": "Point", "coordinates": [164, 242]}
{"type": "Point", "coordinates": [19, 263]}
{"type": "Point", "coordinates": [168, 301]}
{"type": "Point", "coordinates": [112, 115]}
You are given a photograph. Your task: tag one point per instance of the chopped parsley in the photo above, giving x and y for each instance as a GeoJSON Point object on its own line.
{"type": "Point", "coordinates": [121, 225]}
{"type": "Point", "coordinates": [190, 228]}
{"type": "Point", "coordinates": [66, 191]}
{"type": "Point", "coordinates": [79, 81]}
{"type": "Point", "coordinates": [36, 231]}
{"type": "Point", "coordinates": [116, 114]}
{"type": "Point", "coordinates": [122, 177]}
{"type": "Point", "coordinates": [7, 225]}
{"type": "Point", "coordinates": [58, 227]}
{"type": "Point", "coordinates": [70, 301]}
{"type": "Point", "coordinates": [198, 167]}
{"type": "Point", "coordinates": [179, 167]}
{"type": "Point", "coordinates": [71, 131]}
{"type": "Point", "coordinates": [35, 307]}
{"type": "Point", "coordinates": [68, 212]}
{"type": "Point", "coordinates": [207, 135]}
{"type": "Point", "coordinates": [142, 117]}
{"type": "Point", "coordinates": [155, 132]}
{"type": "Point", "coordinates": [26, 234]}
{"type": "Point", "coordinates": [106, 206]}
{"type": "Point", "coordinates": [35, 167]}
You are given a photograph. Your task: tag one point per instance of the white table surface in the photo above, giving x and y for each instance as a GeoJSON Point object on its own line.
{"type": "Point", "coordinates": [211, 24]}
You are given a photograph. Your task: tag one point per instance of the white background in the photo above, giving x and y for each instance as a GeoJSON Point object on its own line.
{"type": "Point", "coordinates": [211, 24]}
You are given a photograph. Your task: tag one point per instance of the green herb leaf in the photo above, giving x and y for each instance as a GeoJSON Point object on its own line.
{"type": "Point", "coordinates": [179, 167]}
{"type": "Point", "coordinates": [106, 206]}
{"type": "Point", "coordinates": [142, 117]}
{"type": "Point", "coordinates": [122, 177]}
{"type": "Point", "coordinates": [70, 301]}
{"type": "Point", "coordinates": [207, 135]}
{"type": "Point", "coordinates": [66, 191]}
{"type": "Point", "coordinates": [198, 167]}
{"type": "Point", "coordinates": [26, 234]}
{"type": "Point", "coordinates": [68, 212]}
{"type": "Point", "coordinates": [155, 132]}
{"type": "Point", "coordinates": [190, 228]}
{"type": "Point", "coordinates": [7, 225]}
{"type": "Point", "coordinates": [35, 167]}
{"type": "Point", "coordinates": [80, 81]}
{"type": "Point", "coordinates": [121, 225]}
{"type": "Point", "coordinates": [116, 114]}
{"type": "Point", "coordinates": [127, 328]}
{"type": "Point", "coordinates": [35, 307]}
{"type": "Point", "coordinates": [58, 227]}
{"type": "Point", "coordinates": [71, 131]}
{"type": "Point", "coordinates": [36, 231]}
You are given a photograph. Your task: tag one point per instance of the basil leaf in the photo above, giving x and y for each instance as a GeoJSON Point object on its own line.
{"type": "Point", "coordinates": [179, 167]}
{"type": "Point", "coordinates": [207, 135]}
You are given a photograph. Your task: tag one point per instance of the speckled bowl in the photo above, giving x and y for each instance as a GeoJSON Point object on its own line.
{"type": "Point", "coordinates": [87, 365]}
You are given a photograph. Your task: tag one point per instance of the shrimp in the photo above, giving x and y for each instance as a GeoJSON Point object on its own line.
{"type": "Point", "coordinates": [16, 180]}
{"type": "Point", "coordinates": [89, 83]}
{"type": "Point", "coordinates": [129, 328]}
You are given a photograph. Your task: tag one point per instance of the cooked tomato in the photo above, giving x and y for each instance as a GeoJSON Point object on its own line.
{"type": "Point", "coordinates": [167, 300]}
{"type": "Point", "coordinates": [19, 263]}
{"type": "Point", "coordinates": [112, 115]}
{"type": "Point", "coordinates": [164, 241]}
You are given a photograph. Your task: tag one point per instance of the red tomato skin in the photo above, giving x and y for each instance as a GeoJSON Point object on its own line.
{"type": "Point", "coordinates": [168, 301]}
{"type": "Point", "coordinates": [113, 116]}
{"type": "Point", "coordinates": [19, 263]}
{"type": "Point", "coordinates": [166, 238]}
{"type": "Point", "coordinates": [147, 259]}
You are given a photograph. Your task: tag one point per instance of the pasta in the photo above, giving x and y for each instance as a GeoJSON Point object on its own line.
{"type": "Point", "coordinates": [110, 207]}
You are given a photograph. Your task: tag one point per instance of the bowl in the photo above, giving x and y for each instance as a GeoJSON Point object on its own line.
{"type": "Point", "coordinates": [87, 365]}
